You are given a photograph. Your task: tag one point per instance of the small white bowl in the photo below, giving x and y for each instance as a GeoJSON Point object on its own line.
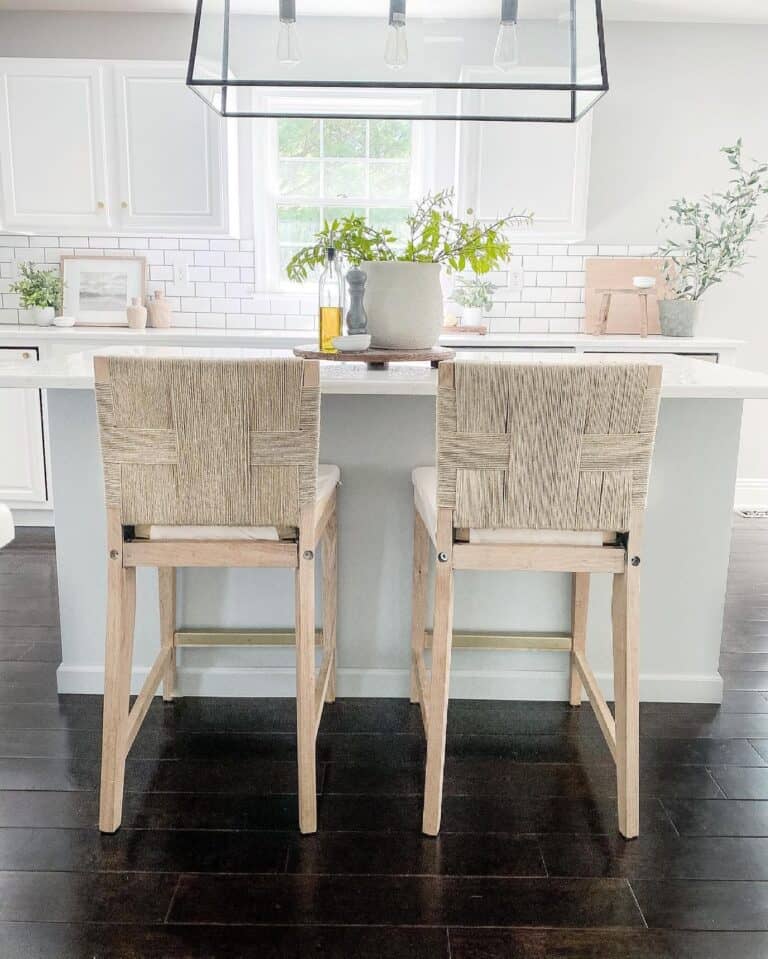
{"type": "Point", "coordinates": [643, 282]}
{"type": "Point", "coordinates": [354, 343]}
{"type": "Point", "coordinates": [63, 321]}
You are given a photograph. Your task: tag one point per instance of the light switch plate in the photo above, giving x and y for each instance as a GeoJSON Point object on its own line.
{"type": "Point", "coordinates": [515, 279]}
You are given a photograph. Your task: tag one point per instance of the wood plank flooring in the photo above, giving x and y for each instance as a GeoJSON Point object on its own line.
{"type": "Point", "coordinates": [209, 862]}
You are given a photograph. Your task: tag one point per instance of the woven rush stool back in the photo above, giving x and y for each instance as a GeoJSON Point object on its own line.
{"type": "Point", "coordinates": [538, 446]}
{"type": "Point", "coordinates": [208, 442]}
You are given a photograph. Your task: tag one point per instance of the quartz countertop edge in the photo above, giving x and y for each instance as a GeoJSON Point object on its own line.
{"type": "Point", "coordinates": [25, 335]}
{"type": "Point", "coordinates": [683, 377]}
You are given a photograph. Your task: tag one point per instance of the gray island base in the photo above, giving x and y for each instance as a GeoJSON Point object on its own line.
{"type": "Point", "coordinates": [377, 427]}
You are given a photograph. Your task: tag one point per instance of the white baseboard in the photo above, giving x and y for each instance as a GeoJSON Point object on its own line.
{"type": "Point", "coordinates": [751, 493]}
{"type": "Point", "coordinates": [519, 684]}
{"type": "Point", "coordinates": [32, 517]}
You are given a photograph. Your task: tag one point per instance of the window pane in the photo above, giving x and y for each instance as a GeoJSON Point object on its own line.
{"type": "Point", "coordinates": [345, 138]}
{"type": "Point", "coordinates": [390, 181]}
{"type": "Point", "coordinates": [391, 139]}
{"type": "Point", "coordinates": [331, 213]}
{"type": "Point", "coordinates": [345, 178]}
{"type": "Point", "coordinates": [286, 254]}
{"type": "Point", "coordinates": [298, 224]}
{"type": "Point", "coordinates": [298, 138]}
{"type": "Point", "coordinates": [389, 219]}
{"type": "Point", "coordinates": [300, 177]}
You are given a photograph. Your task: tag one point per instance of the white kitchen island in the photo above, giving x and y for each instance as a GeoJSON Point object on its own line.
{"type": "Point", "coordinates": [378, 425]}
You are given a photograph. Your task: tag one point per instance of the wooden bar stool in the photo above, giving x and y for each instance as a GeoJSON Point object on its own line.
{"type": "Point", "coordinates": [212, 463]}
{"type": "Point", "coordinates": [539, 467]}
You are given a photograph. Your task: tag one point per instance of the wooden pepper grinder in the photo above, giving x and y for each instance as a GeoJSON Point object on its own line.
{"type": "Point", "coordinates": [159, 311]}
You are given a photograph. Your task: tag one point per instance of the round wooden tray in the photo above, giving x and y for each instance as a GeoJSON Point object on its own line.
{"type": "Point", "coordinates": [377, 359]}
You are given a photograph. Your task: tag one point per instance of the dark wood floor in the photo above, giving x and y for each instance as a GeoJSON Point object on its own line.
{"type": "Point", "coordinates": [529, 864]}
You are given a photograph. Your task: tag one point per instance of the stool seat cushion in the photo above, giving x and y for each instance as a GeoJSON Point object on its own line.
{"type": "Point", "coordinates": [425, 498]}
{"type": "Point", "coordinates": [7, 529]}
{"type": "Point", "coordinates": [328, 478]}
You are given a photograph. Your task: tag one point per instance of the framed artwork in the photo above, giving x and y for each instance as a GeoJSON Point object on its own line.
{"type": "Point", "coordinates": [98, 289]}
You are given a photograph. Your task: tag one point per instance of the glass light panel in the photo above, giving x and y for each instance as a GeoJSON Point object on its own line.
{"type": "Point", "coordinates": [558, 70]}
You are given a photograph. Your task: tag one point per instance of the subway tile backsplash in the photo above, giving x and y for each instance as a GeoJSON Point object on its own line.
{"type": "Point", "coordinates": [539, 290]}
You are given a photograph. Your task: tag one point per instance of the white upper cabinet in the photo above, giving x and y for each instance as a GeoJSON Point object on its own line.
{"type": "Point", "coordinates": [541, 167]}
{"type": "Point", "coordinates": [171, 169]}
{"type": "Point", "coordinates": [52, 145]}
{"type": "Point", "coordinates": [109, 148]}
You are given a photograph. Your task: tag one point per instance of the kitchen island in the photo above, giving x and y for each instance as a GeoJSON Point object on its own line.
{"type": "Point", "coordinates": [377, 426]}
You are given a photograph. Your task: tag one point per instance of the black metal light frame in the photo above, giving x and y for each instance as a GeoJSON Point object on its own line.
{"type": "Point", "coordinates": [225, 83]}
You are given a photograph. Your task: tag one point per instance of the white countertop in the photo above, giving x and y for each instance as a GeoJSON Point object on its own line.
{"type": "Point", "coordinates": [30, 335]}
{"type": "Point", "coordinates": [684, 377]}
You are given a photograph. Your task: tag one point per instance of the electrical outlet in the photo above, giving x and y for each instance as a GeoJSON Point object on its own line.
{"type": "Point", "coordinates": [515, 280]}
{"type": "Point", "coordinates": [180, 269]}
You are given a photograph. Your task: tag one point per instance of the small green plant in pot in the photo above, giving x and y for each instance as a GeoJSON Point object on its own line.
{"type": "Point", "coordinates": [475, 296]}
{"type": "Point", "coordinates": [709, 240]}
{"type": "Point", "coordinates": [39, 292]}
{"type": "Point", "coordinates": [403, 296]}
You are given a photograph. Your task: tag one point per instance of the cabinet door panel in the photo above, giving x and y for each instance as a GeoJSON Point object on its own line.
{"type": "Point", "coordinates": [542, 167]}
{"type": "Point", "coordinates": [171, 147]}
{"type": "Point", "coordinates": [22, 462]}
{"type": "Point", "coordinates": [52, 145]}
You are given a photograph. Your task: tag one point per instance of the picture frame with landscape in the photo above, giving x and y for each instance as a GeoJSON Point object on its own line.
{"type": "Point", "coordinates": [98, 289]}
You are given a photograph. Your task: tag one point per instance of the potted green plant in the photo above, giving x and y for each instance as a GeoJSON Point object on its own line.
{"type": "Point", "coordinates": [403, 296]}
{"type": "Point", "coordinates": [39, 292]}
{"type": "Point", "coordinates": [709, 240]}
{"type": "Point", "coordinates": [474, 296]}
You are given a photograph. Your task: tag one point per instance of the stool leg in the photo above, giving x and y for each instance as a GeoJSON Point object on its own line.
{"type": "Point", "coordinates": [166, 582]}
{"type": "Point", "coordinates": [643, 314]}
{"type": "Point", "coordinates": [579, 608]}
{"type": "Point", "coordinates": [330, 593]}
{"type": "Point", "coordinates": [625, 614]}
{"type": "Point", "coordinates": [605, 309]}
{"type": "Point", "coordinates": [121, 607]}
{"type": "Point", "coordinates": [305, 689]}
{"type": "Point", "coordinates": [418, 598]}
{"type": "Point", "coordinates": [442, 636]}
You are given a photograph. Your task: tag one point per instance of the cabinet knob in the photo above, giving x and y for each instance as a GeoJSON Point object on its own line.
{"type": "Point", "coordinates": [100, 205]}
{"type": "Point", "coordinates": [25, 355]}
{"type": "Point", "coordinates": [124, 204]}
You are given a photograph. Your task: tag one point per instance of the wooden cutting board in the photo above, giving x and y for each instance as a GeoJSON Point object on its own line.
{"type": "Point", "coordinates": [615, 273]}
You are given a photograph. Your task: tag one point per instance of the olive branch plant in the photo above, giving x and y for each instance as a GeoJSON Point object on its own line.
{"type": "Point", "coordinates": [433, 234]}
{"type": "Point", "coordinates": [710, 236]}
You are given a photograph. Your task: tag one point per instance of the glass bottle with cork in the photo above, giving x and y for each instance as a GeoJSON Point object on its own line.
{"type": "Point", "coordinates": [331, 301]}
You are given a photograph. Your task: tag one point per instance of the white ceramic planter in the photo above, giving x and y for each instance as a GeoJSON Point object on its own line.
{"type": "Point", "coordinates": [42, 315]}
{"type": "Point", "coordinates": [404, 303]}
{"type": "Point", "coordinates": [472, 316]}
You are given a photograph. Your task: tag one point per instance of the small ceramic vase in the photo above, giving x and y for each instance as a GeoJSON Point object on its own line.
{"type": "Point", "coordinates": [159, 311]}
{"type": "Point", "coordinates": [137, 315]}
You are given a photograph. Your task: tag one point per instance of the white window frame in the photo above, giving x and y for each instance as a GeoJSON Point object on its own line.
{"type": "Point", "coordinates": [266, 199]}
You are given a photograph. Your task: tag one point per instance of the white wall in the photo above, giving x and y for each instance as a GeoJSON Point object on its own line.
{"type": "Point", "coordinates": [678, 93]}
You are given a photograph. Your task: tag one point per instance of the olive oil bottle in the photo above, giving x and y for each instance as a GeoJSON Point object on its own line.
{"type": "Point", "coordinates": [331, 302]}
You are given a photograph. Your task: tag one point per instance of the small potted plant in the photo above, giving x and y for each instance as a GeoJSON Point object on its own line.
{"type": "Point", "coordinates": [39, 292]}
{"type": "Point", "coordinates": [403, 296]}
{"type": "Point", "coordinates": [709, 240]}
{"type": "Point", "coordinates": [475, 296]}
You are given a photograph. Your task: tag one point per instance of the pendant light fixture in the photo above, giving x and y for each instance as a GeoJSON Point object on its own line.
{"type": "Point", "coordinates": [505, 54]}
{"type": "Point", "coordinates": [287, 36]}
{"type": "Point", "coordinates": [456, 64]}
{"type": "Point", "coordinates": [396, 47]}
